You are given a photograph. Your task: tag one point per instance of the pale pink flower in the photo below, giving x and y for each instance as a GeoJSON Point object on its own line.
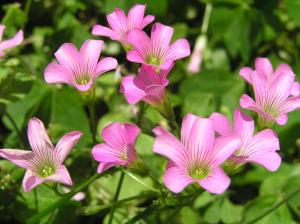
{"type": "Point", "coordinates": [79, 68]}
{"type": "Point", "coordinates": [147, 86]}
{"type": "Point", "coordinates": [194, 65]}
{"type": "Point", "coordinates": [118, 149]}
{"type": "Point", "coordinates": [44, 163]}
{"type": "Point", "coordinates": [276, 93]}
{"type": "Point", "coordinates": [120, 24]}
{"type": "Point", "coordinates": [157, 51]}
{"type": "Point", "coordinates": [197, 157]}
{"type": "Point", "coordinates": [260, 148]}
{"type": "Point", "coordinates": [10, 43]}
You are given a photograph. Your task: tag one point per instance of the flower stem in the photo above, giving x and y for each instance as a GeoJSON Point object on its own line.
{"type": "Point", "coordinates": [112, 210]}
{"type": "Point", "coordinates": [274, 207]}
{"type": "Point", "coordinates": [61, 201]}
{"type": "Point", "coordinates": [19, 134]}
{"type": "Point", "coordinates": [140, 181]}
{"type": "Point", "coordinates": [206, 17]}
{"type": "Point", "coordinates": [92, 120]}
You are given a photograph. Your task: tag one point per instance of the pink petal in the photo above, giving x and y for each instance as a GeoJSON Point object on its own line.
{"type": "Point", "coordinates": [105, 65]}
{"type": "Point", "coordinates": [295, 89]}
{"type": "Point", "coordinates": [281, 87]}
{"type": "Point", "coordinates": [217, 181]}
{"type": "Point", "coordinates": [161, 36]}
{"type": "Point", "coordinates": [141, 42]}
{"type": "Point", "coordinates": [248, 103]}
{"type": "Point", "coordinates": [147, 19]}
{"type": "Point", "coordinates": [201, 141]}
{"type": "Point", "coordinates": [246, 74]}
{"type": "Point", "coordinates": [264, 66]}
{"type": "Point", "coordinates": [21, 158]}
{"type": "Point", "coordinates": [282, 119]}
{"type": "Point", "coordinates": [61, 175]}
{"type": "Point", "coordinates": [221, 124]}
{"type": "Point", "coordinates": [10, 43]}
{"type": "Point", "coordinates": [270, 160]}
{"type": "Point", "coordinates": [30, 181]}
{"type": "Point", "coordinates": [55, 73]}
{"type": "Point", "coordinates": [85, 87]}
{"type": "Point", "coordinates": [99, 30]}
{"type": "Point", "coordinates": [176, 178]}
{"type": "Point", "coordinates": [243, 126]}
{"type": "Point", "coordinates": [291, 104]}
{"type": "Point", "coordinates": [105, 166]}
{"type": "Point", "coordinates": [136, 15]}
{"type": "Point", "coordinates": [169, 146]}
{"type": "Point", "coordinates": [179, 49]}
{"type": "Point", "coordinates": [135, 56]}
{"type": "Point", "coordinates": [118, 21]}
{"type": "Point", "coordinates": [186, 129]}
{"type": "Point", "coordinates": [132, 93]}
{"type": "Point", "coordinates": [66, 143]}
{"type": "Point", "coordinates": [118, 135]}
{"type": "Point", "coordinates": [38, 137]}
{"type": "Point", "coordinates": [68, 56]}
{"type": "Point", "coordinates": [90, 52]}
{"type": "Point", "coordinates": [284, 69]}
{"type": "Point", "coordinates": [105, 154]}
{"type": "Point", "coordinates": [224, 147]}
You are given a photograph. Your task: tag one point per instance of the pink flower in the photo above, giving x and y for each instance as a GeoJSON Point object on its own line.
{"type": "Point", "coordinates": [276, 93]}
{"type": "Point", "coordinates": [44, 162]}
{"type": "Point", "coordinates": [147, 86]}
{"type": "Point", "coordinates": [10, 43]}
{"type": "Point", "coordinates": [120, 25]}
{"type": "Point", "coordinates": [260, 148]}
{"type": "Point", "coordinates": [79, 68]}
{"type": "Point", "coordinates": [197, 157]}
{"type": "Point", "coordinates": [157, 50]}
{"type": "Point", "coordinates": [197, 56]}
{"type": "Point", "coordinates": [118, 149]}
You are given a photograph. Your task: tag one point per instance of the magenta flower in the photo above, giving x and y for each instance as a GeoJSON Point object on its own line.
{"type": "Point", "coordinates": [10, 43]}
{"type": "Point", "coordinates": [118, 149]}
{"type": "Point", "coordinates": [157, 50]}
{"type": "Point", "coordinates": [44, 163]}
{"type": "Point", "coordinates": [120, 25]}
{"type": "Point", "coordinates": [276, 93]}
{"type": "Point", "coordinates": [147, 86]}
{"type": "Point", "coordinates": [79, 68]}
{"type": "Point", "coordinates": [197, 157]}
{"type": "Point", "coordinates": [260, 148]}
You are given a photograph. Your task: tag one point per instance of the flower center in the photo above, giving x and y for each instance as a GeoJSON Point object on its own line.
{"type": "Point", "coordinates": [84, 82]}
{"type": "Point", "coordinates": [199, 173]}
{"type": "Point", "coordinates": [46, 171]}
{"type": "Point", "coordinates": [153, 60]}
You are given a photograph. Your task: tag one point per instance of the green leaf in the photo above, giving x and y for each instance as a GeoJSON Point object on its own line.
{"type": "Point", "coordinates": [231, 213]}
{"type": "Point", "coordinates": [292, 7]}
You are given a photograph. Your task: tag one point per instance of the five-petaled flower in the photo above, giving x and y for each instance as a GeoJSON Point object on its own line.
{"type": "Point", "coordinates": [79, 68]}
{"type": "Point", "coordinates": [10, 43]}
{"type": "Point", "coordinates": [276, 93]}
{"type": "Point", "coordinates": [120, 25]}
{"type": "Point", "coordinates": [44, 163]}
{"type": "Point", "coordinates": [147, 86]}
{"type": "Point", "coordinates": [260, 148]}
{"type": "Point", "coordinates": [118, 149]}
{"type": "Point", "coordinates": [157, 50]}
{"type": "Point", "coordinates": [197, 157]}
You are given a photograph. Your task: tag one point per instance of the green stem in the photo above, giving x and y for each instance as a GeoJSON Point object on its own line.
{"type": "Point", "coordinates": [60, 202]}
{"type": "Point", "coordinates": [19, 134]}
{"type": "Point", "coordinates": [116, 197]}
{"type": "Point", "coordinates": [274, 207]}
{"type": "Point", "coordinates": [91, 107]}
{"type": "Point", "coordinates": [141, 114]}
{"type": "Point", "coordinates": [27, 7]}
{"type": "Point", "coordinates": [206, 17]}
{"type": "Point", "coordinates": [140, 181]}
{"type": "Point", "coordinates": [35, 199]}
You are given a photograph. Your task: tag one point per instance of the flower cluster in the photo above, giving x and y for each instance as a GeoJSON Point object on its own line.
{"type": "Point", "coordinates": [204, 148]}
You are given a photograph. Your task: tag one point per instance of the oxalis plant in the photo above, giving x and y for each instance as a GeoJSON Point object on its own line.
{"type": "Point", "coordinates": [198, 155]}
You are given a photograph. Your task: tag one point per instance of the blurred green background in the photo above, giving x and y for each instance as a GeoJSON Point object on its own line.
{"type": "Point", "coordinates": [238, 32]}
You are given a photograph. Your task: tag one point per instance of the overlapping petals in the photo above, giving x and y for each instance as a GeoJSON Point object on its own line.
{"type": "Point", "coordinates": [276, 92]}
{"type": "Point", "coordinates": [156, 51]}
{"type": "Point", "coordinates": [147, 86]}
{"type": "Point", "coordinates": [120, 24]}
{"type": "Point", "coordinates": [79, 68]}
{"type": "Point", "coordinates": [44, 162]}
{"type": "Point", "coordinates": [118, 149]}
{"type": "Point", "coordinates": [10, 43]}
{"type": "Point", "coordinates": [197, 157]}
{"type": "Point", "coordinates": [260, 148]}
